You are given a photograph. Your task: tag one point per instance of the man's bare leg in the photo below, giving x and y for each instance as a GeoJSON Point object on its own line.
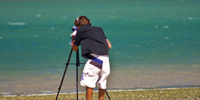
{"type": "Point", "coordinates": [101, 94]}
{"type": "Point", "coordinates": [89, 93]}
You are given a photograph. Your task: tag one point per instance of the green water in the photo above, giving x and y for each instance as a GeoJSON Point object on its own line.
{"type": "Point", "coordinates": [154, 39]}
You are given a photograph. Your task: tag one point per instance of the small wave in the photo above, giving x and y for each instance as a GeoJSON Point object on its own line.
{"type": "Point", "coordinates": [5, 93]}
{"type": "Point", "coordinates": [38, 15]}
{"type": "Point", "coordinates": [190, 18]}
{"type": "Point", "coordinates": [156, 26]}
{"type": "Point", "coordinates": [64, 17]}
{"type": "Point", "coordinates": [47, 91]}
{"type": "Point", "coordinates": [35, 36]}
{"type": "Point", "coordinates": [16, 23]}
{"type": "Point", "coordinates": [166, 26]}
{"type": "Point", "coordinates": [166, 38]}
{"type": "Point", "coordinates": [112, 17]}
{"type": "Point", "coordinates": [52, 28]}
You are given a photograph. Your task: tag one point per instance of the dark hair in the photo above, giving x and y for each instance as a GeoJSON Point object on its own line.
{"type": "Point", "coordinates": [82, 20]}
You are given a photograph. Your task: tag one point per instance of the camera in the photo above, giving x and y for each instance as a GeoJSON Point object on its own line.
{"type": "Point", "coordinates": [74, 28]}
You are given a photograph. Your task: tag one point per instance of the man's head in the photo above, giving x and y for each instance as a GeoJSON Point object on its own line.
{"type": "Point", "coordinates": [82, 20]}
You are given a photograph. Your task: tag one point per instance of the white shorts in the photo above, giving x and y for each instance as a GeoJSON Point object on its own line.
{"type": "Point", "coordinates": [95, 73]}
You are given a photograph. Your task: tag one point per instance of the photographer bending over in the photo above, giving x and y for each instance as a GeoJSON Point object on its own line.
{"type": "Point", "coordinates": [95, 47]}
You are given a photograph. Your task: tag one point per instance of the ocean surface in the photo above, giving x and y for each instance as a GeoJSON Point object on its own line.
{"type": "Point", "coordinates": [155, 43]}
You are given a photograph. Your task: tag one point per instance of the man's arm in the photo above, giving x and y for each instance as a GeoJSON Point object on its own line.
{"type": "Point", "coordinates": [74, 47]}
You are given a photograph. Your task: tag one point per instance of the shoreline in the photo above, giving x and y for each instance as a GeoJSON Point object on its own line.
{"type": "Point", "coordinates": [190, 93]}
{"type": "Point", "coordinates": [109, 90]}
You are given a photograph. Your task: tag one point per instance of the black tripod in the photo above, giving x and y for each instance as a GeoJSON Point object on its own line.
{"type": "Point", "coordinates": [64, 73]}
{"type": "Point", "coordinates": [77, 64]}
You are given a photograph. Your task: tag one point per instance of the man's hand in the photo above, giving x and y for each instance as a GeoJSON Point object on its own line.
{"type": "Point", "coordinates": [109, 44]}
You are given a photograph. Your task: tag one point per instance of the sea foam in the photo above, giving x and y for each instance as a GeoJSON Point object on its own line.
{"type": "Point", "coordinates": [16, 23]}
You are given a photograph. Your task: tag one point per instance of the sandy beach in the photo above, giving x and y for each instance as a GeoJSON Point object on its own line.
{"type": "Point", "coordinates": [136, 77]}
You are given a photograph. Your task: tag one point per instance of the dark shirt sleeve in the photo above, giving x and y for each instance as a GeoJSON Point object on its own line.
{"type": "Point", "coordinates": [104, 34]}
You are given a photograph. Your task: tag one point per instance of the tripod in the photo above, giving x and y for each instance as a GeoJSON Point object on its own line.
{"type": "Point", "coordinates": [77, 64]}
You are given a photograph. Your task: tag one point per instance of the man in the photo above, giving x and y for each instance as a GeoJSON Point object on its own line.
{"type": "Point", "coordinates": [95, 47]}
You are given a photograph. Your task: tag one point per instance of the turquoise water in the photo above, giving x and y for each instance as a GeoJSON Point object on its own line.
{"type": "Point", "coordinates": [154, 43]}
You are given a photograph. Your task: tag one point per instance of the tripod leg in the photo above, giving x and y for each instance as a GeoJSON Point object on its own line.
{"type": "Point", "coordinates": [107, 95]}
{"type": "Point", "coordinates": [64, 74]}
{"type": "Point", "coordinates": [77, 64]}
{"type": "Point", "coordinates": [77, 82]}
